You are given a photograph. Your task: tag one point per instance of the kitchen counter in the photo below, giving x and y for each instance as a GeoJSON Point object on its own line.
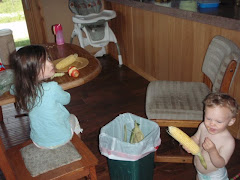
{"type": "Point", "coordinates": [226, 8]}
{"type": "Point", "coordinates": [227, 15]}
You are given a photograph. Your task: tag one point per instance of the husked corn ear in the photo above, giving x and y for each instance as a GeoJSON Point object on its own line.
{"type": "Point", "coordinates": [184, 139]}
{"type": "Point", "coordinates": [66, 61]}
{"type": "Point", "coordinates": [187, 142]}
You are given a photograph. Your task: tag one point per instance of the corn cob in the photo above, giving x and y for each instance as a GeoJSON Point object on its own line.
{"type": "Point", "coordinates": [57, 75]}
{"type": "Point", "coordinates": [186, 141]}
{"type": "Point", "coordinates": [66, 61]}
{"type": "Point", "coordinates": [136, 135]}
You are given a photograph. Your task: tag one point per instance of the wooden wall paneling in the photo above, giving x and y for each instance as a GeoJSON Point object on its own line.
{"type": "Point", "coordinates": [148, 39]}
{"type": "Point", "coordinates": [175, 48]}
{"type": "Point", "coordinates": [161, 43]}
{"type": "Point", "coordinates": [140, 34]}
{"type": "Point", "coordinates": [150, 43]}
{"type": "Point", "coordinates": [122, 28]}
{"type": "Point", "coordinates": [200, 47]}
{"type": "Point", "coordinates": [172, 44]}
{"type": "Point", "coordinates": [187, 51]}
{"type": "Point", "coordinates": [232, 35]}
{"type": "Point", "coordinates": [175, 43]}
{"type": "Point", "coordinates": [203, 34]}
{"type": "Point", "coordinates": [182, 50]}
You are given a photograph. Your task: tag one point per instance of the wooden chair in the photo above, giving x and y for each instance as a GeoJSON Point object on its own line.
{"type": "Point", "coordinates": [176, 103]}
{"type": "Point", "coordinates": [13, 167]}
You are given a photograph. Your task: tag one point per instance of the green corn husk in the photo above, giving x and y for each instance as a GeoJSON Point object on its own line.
{"type": "Point", "coordinates": [125, 133]}
{"type": "Point", "coordinates": [136, 135]}
{"type": "Point", "coordinates": [202, 160]}
{"type": "Point", "coordinates": [58, 75]}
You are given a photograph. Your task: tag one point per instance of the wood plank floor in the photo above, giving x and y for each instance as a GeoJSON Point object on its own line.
{"type": "Point", "coordinates": [115, 91]}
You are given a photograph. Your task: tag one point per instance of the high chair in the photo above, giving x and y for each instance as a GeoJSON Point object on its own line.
{"type": "Point", "coordinates": [91, 21]}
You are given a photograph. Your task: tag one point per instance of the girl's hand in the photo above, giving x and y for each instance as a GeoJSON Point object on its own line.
{"type": "Point", "coordinates": [208, 145]}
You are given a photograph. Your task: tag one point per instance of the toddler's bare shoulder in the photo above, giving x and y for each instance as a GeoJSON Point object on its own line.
{"type": "Point", "coordinates": [228, 139]}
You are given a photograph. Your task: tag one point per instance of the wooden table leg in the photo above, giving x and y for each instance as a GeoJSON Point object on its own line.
{"type": "Point", "coordinates": [1, 114]}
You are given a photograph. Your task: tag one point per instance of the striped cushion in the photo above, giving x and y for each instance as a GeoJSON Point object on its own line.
{"type": "Point", "coordinates": [219, 54]}
{"type": "Point", "coordinates": [175, 100]}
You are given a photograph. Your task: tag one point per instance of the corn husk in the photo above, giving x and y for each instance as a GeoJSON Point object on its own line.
{"type": "Point", "coordinates": [57, 75]}
{"type": "Point", "coordinates": [125, 133]}
{"type": "Point", "coordinates": [136, 135]}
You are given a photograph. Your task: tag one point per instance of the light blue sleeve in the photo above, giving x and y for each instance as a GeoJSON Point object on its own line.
{"type": "Point", "coordinates": [60, 95]}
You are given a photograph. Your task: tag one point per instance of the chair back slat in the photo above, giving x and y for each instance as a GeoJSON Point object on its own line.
{"type": "Point", "coordinates": [228, 77]}
{"type": "Point", "coordinates": [220, 53]}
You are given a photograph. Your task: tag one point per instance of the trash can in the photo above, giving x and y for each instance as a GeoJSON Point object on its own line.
{"type": "Point", "coordinates": [141, 169]}
{"type": "Point", "coordinates": [128, 161]}
{"type": "Point", "coordinates": [7, 45]}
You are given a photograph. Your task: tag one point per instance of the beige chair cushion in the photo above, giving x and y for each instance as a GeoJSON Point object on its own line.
{"type": "Point", "coordinates": [39, 161]}
{"type": "Point", "coordinates": [219, 54]}
{"type": "Point", "coordinates": [175, 100]}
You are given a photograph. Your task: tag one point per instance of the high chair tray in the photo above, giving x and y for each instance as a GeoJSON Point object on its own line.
{"type": "Point", "coordinates": [92, 18]}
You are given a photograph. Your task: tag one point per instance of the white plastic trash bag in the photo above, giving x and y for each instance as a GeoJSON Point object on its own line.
{"type": "Point", "coordinates": [111, 137]}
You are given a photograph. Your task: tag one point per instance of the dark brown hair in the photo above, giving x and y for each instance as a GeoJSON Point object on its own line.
{"type": "Point", "coordinates": [223, 100]}
{"type": "Point", "coordinates": [27, 62]}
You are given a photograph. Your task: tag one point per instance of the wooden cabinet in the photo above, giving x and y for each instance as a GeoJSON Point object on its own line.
{"type": "Point", "coordinates": [163, 47]}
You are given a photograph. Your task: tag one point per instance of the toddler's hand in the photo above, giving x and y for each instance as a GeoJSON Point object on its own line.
{"type": "Point", "coordinates": [208, 145]}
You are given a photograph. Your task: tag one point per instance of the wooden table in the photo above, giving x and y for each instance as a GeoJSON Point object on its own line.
{"type": "Point", "coordinates": [59, 51]}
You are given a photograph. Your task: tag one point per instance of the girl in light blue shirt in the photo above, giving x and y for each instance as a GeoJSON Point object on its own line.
{"type": "Point", "coordinates": [50, 122]}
